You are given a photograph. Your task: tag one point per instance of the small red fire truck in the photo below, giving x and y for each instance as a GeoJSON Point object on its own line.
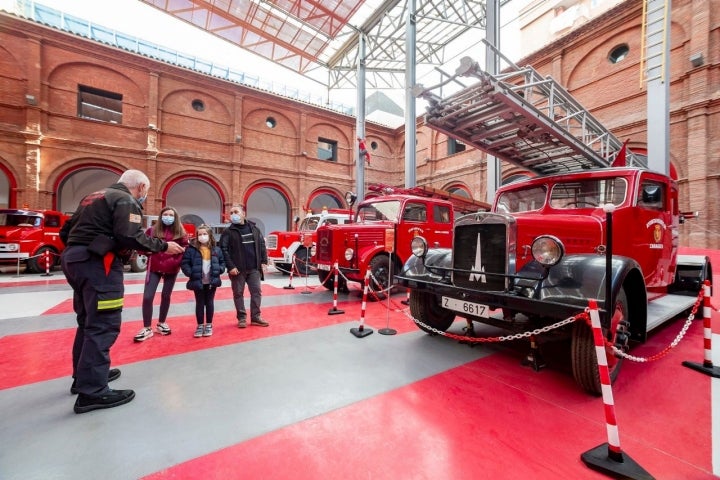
{"type": "Point", "coordinates": [31, 237]}
{"type": "Point", "coordinates": [284, 248]}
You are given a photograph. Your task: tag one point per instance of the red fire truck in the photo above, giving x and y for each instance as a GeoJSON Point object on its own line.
{"type": "Point", "coordinates": [580, 229]}
{"type": "Point", "coordinates": [379, 238]}
{"type": "Point", "coordinates": [284, 248]}
{"type": "Point", "coordinates": [26, 235]}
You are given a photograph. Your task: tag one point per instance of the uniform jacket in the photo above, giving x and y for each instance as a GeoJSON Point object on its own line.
{"type": "Point", "coordinates": [191, 266]}
{"type": "Point", "coordinates": [163, 262]}
{"type": "Point", "coordinates": [233, 250]}
{"type": "Point", "coordinates": [112, 213]}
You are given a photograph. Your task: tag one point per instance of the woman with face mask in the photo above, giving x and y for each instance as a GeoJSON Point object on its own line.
{"type": "Point", "coordinates": [203, 263]}
{"type": "Point", "coordinates": [161, 266]}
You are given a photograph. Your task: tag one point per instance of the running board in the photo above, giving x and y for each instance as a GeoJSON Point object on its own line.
{"type": "Point", "coordinates": [667, 307]}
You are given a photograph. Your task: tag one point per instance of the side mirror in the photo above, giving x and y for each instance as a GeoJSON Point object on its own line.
{"type": "Point", "coordinates": [350, 198]}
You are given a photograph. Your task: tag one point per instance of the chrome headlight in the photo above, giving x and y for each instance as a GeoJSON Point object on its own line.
{"type": "Point", "coordinates": [283, 250]}
{"type": "Point", "coordinates": [419, 246]}
{"type": "Point", "coordinates": [13, 247]}
{"type": "Point", "coordinates": [349, 253]}
{"type": "Point", "coordinates": [547, 250]}
{"type": "Point", "coordinates": [313, 250]}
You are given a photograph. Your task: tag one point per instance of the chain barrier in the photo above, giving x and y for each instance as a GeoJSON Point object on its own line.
{"type": "Point", "coordinates": [584, 316]}
{"type": "Point", "coordinates": [673, 344]}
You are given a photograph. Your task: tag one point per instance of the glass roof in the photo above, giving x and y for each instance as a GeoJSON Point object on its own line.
{"type": "Point", "coordinates": [319, 38]}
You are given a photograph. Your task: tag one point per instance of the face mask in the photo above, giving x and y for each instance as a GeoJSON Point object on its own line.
{"type": "Point", "coordinates": [237, 217]}
{"type": "Point", "coordinates": [203, 238]}
{"type": "Point", "coordinates": [168, 219]}
{"type": "Point", "coordinates": [142, 199]}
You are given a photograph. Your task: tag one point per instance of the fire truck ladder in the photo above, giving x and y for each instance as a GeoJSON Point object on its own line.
{"type": "Point", "coordinates": [524, 119]}
{"type": "Point", "coordinates": [460, 204]}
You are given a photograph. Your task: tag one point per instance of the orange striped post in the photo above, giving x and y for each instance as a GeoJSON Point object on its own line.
{"type": "Point", "coordinates": [608, 458]}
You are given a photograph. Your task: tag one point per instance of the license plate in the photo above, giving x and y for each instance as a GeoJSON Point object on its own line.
{"type": "Point", "coordinates": [322, 266]}
{"type": "Point", "coordinates": [470, 308]}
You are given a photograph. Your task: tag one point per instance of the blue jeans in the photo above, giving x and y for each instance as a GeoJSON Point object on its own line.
{"type": "Point", "coordinates": [237, 282]}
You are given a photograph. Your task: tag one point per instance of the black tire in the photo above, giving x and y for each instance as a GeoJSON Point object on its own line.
{"type": "Point", "coordinates": [425, 307]}
{"type": "Point", "coordinates": [138, 262]}
{"type": "Point", "coordinates": [302, 265]}
{"type": "Point", "coordinates": [582, 346]}
{"type": "Point", "coordinates": [37, 263]}
{"type": "Point", "coordinates": [380, 280]}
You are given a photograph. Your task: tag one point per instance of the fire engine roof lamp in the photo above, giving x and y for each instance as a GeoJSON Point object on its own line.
{"type": "Point", "coordinates": [419, 246]}
{"type": "Point", "coordinates": [547, 250]}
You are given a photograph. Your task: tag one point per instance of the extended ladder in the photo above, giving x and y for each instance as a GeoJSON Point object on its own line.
{"type": "Point", "coordinates": [522, 118]}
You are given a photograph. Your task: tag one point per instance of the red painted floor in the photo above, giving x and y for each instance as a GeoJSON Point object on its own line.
{"type": "Point", "coordinates": [491, 418]}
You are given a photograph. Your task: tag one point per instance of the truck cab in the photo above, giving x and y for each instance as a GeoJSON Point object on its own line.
{"type": "Point", "coordinates": [379, 239]}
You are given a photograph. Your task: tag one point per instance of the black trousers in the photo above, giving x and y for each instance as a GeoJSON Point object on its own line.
{"type": "Point", "coordinates": [97, 301]}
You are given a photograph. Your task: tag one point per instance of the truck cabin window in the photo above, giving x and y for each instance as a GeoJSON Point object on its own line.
{"type": "Point", "coordinates": [591, 193]}
{"type": "Point", "coordinates": [379, 211]}
{"type": "Point", "coordinates": [11, 220]}
{"type": "Point", "coordinates": [651, 196]}
{"type": "Point", "coordinates": [521, 200]}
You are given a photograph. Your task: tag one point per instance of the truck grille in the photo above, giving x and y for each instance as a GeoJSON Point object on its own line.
{"type": "Point", "coordinates": [492, 257]}
{"type": "Point", "coordinates": [324, 246]}
{"type": "Point", "coordinates": [271, 242]}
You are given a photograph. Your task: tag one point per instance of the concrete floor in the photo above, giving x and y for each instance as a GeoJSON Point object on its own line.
{"type": "Point", "coordinates": [306, 399]}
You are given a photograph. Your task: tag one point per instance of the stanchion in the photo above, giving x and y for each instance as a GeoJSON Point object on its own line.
{"type": "Point", "coordinates": [289, 286]}
{"type": "Point", "coordinates": [608, 457]}
{"type": "Point", "coordinates": [46, 256]}
{"type": "Point", "coordinates": [361, 331]}
{"type": "Point", "coordinates": [407, 298]}
{"type": "Point", "coordinates": [307, 290]}
{"type": "Point", "coordinates": [334, 310]}
{"type": "Point", "coordinates": [387, 330]}
{"type": "Point", "coordinates": [707, 366]}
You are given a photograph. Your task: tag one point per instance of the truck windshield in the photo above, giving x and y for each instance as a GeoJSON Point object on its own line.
{"type": "Point", "coordinates": [309, 224]}
{"type": "Point", "coordinates": [13, 220]}
{"type": "Point", "coordinates": [523, 200]}
{"type": "Point", "coordinates": [589, 193]}
{"type": "Point", "coordinates": [379, 211]}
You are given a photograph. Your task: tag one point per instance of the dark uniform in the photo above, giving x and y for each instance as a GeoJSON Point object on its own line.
{"type": "Point", "coordinates": [106, 225]}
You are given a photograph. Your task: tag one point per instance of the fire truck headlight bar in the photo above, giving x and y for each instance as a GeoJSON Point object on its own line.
{"type": "Point", "coordinates": [349, 254]}
{"type": "Point", "coordinates": [419, 247]}
{"type": "Point", "coordinates": [547, 250]}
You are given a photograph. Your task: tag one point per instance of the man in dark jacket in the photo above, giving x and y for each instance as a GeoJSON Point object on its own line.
{"type": "Point", "coordinates": [243, 247]}
{"type": "Point", "coordinates": [106, 225]}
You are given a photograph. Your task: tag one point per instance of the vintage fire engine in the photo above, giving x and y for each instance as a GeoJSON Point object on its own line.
{"type": "Point", "coordinates": [284, 248]}
{"type": "Point", "coordinates": [26, 235]}
{"type": "Point", "coordinates": [580, 229]}
{"type": "Point", "coordinates": [379, 239]}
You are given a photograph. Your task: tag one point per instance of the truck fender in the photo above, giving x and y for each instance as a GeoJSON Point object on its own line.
{"type": "Point", "coordinates": [416, 268]}
{"type": "Point", "coordinates": [578, 278]}
{"type": "Point", "coordinates": [292, 249]}
{"type": "Point", "coordinates": [365, 256]}
{"type": "Point", "coordinates": [690, 274]}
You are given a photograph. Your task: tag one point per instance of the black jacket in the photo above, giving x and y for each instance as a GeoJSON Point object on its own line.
{"type": "Point", "coordinates": [115, 214]}
{"type": "Point", "coordinates": [191, 266]}
{"type": "Point", "coordinates": [234, 252]}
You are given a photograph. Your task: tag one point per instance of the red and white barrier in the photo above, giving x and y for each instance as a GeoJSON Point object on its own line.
{"type": "Point", "coordinates": [361, 331]}
{"type": "Point", "coordinates": [289, 286]}
{"type": "Point", "coordinates": [707, 366]}
{"type": "Point", "coordinates": [608, 458]}
{"type": "Point", "coordinates": [334, 310]}
{"type": "Point", "coordinates": [48, 262]}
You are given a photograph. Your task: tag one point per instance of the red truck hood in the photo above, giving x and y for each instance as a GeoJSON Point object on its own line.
{"type": "Point", "coordinates": [14, 234]}
{"type": "Point", "coordinates": [579, 233]}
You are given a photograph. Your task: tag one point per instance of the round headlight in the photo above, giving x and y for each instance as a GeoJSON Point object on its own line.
{"type": "Point", "coordinates": [349, 254]}
{"type": "Point", "coordinates": [283, 250]}
{"type": "Point", "coordinates": [313, 250]}
{"type": "Point", "coordinates": [12, 247]}
{"type": "Point", "coordinates": [419, 246]}
{"type": "Point", "coordinates": [547, 250]}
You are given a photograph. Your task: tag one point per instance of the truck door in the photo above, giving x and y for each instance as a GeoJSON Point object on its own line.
{"type": "Point", "coordinates": [655, 232]}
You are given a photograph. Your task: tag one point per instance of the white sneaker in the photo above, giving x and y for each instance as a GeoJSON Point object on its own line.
{"type": "Point", "coordinates": [143, 335]}
{"type": "Point", "coordinates": [199, 331]}
{"type": "Point", "coordinates": [163, 329]}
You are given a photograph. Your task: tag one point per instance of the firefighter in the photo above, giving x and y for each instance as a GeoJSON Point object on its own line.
{"type": "Point", "coordinates": [106, 226]}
